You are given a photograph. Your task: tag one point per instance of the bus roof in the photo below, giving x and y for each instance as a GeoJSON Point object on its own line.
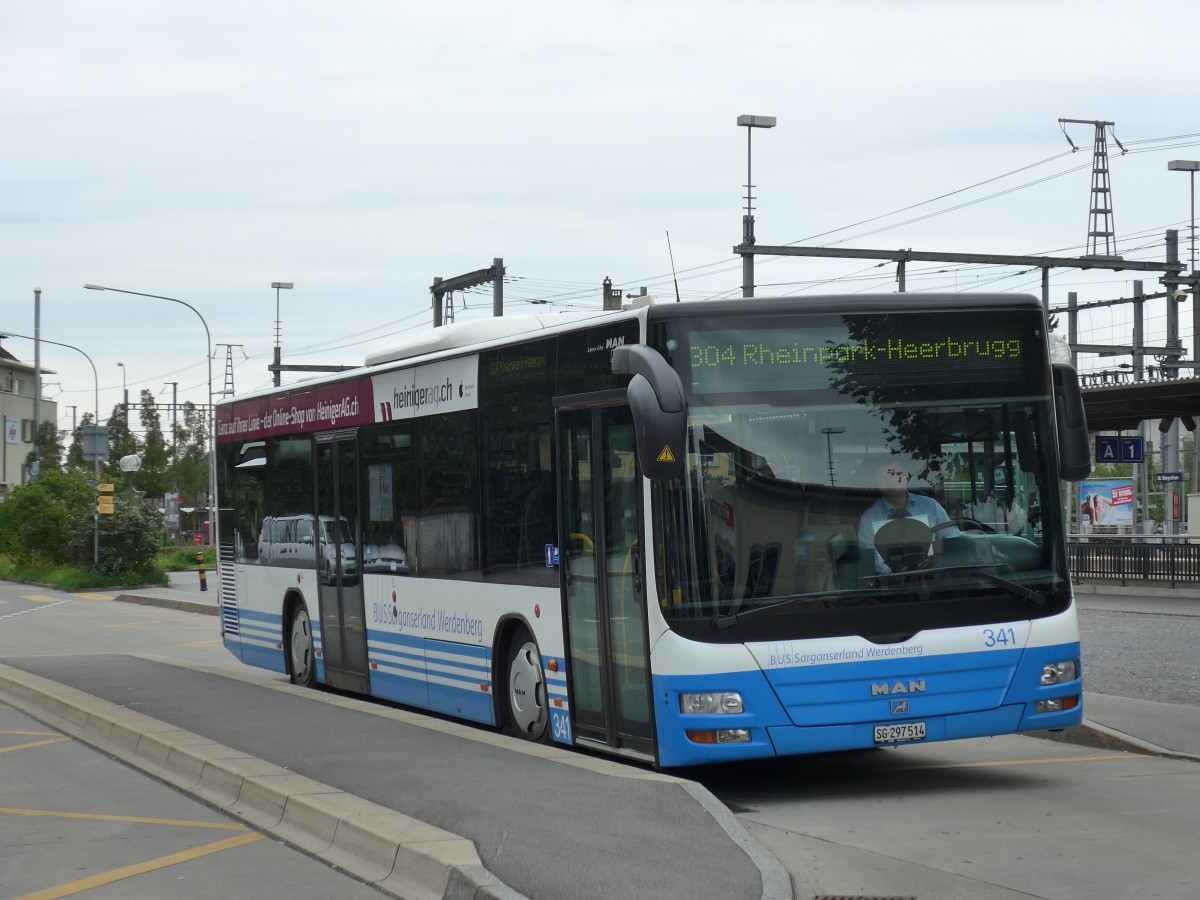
{"type": "Point", "coordinates": [478, 331]}
{"type": "Point", "coordinates": [478, 334]}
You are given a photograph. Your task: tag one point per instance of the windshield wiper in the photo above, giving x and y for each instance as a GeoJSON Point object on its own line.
{"type": "Point", "coordinates": [1033, 597]}
{"type": "Point", "coordinates": [726, 621]}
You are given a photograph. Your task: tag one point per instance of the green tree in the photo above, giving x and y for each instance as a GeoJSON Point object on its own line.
{"type": "Point", "coordinates": [47, 449]}
{"type": "Point", "coordinates": [191, 458]}
{"type": "Point", "coordinates": [75, 458]}
{"type": "Point", "coordinates": [121, 442]}
{"type": "Point", "coordinates": [154, 478]}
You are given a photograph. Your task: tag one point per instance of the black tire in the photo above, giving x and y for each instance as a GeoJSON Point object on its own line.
{"type": "Point", "coordinates": [302, 667]}
{"type": "Point", "coordinates": [527, 712]}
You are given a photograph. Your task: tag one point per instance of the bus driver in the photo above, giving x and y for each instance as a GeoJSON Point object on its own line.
{"type": "Point", "coordinates": [896, 502]}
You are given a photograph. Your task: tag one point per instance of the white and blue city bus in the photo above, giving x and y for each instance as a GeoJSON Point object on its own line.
{"type": "Point", "coordinates": [649, 532]}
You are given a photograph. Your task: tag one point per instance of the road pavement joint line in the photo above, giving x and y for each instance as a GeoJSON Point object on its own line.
{"type": "Point", "coordinates": [372, 838]}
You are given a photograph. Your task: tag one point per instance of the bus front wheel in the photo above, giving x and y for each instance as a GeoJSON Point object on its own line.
{"type": "Point", "coordinates": [526, 682]}
{"type": "Point", "coordinates": [300, 647]}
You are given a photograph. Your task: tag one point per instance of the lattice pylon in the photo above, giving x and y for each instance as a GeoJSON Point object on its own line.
{"type": "Point", "coordinates": [1102, 236]}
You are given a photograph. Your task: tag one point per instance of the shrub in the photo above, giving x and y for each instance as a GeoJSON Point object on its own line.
{"type": "Point", "coordinates": [128, 539]}
{"type": "Point", "coordinates": [40, 521]}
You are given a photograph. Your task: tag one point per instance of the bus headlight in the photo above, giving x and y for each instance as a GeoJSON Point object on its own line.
{"type": "Point", "coordinates": [1057, 673]}
{"type": "Point", "coordinates": [716, 703]}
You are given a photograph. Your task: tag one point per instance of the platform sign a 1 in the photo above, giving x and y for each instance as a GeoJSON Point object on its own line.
{"type": "Point", "coordinates": [1118, 449]}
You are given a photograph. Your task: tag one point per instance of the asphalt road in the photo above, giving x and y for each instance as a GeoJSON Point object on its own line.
{"type": "Point", "coordinates": [1146, 656]}
{"type": "Point", "coordinates": [967, 819]}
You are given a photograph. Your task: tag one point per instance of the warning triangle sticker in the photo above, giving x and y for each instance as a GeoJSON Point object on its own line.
{"type": "Point", "coordinates": [666, 455]}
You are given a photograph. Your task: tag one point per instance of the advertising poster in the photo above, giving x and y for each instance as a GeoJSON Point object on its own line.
{"type": "Point", "coordinates": [1108, 502]}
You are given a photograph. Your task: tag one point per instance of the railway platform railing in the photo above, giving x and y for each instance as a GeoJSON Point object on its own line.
{"type": "Point", "coordinates": [1139, 559]}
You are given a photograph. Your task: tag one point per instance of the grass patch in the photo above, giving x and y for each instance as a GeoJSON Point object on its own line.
{"type": "Point", "coordinates": [183, 559]}
{"type": "Point", "coordinates": [70, 578]}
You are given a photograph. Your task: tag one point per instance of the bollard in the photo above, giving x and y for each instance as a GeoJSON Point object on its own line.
{"type": "Point", "coordinates": [200, 563]}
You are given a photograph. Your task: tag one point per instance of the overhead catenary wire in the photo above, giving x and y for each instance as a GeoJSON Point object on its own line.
{"type": "Point", "coordinates": [568, 294]}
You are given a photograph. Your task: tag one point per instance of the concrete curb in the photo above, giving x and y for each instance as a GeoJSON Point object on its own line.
{"type": "Point", "coordinates": [401, 855]}
{"type": "Point", "coordinates": [1188, 591]}
{"type": "Point", "coordinates": [1101, 737]}
{"type": "Point", "coordinates": [192, 606]}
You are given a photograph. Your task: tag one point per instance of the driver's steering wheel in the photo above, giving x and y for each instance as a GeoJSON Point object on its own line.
{"type": "Point", "coordinates": [904, 543]}
{"type": "Point", "coordinates": [966, 523]}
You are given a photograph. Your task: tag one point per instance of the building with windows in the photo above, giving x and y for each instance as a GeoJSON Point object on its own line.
{"type": "Point", "coordinates": [17, 390]}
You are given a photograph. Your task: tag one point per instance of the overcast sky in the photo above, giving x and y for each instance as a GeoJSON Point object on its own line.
{"type": "Point", "coordinates": [359, 149]}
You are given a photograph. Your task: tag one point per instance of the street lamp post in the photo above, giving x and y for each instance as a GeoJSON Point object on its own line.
{"type": "Point", "coordinates": [750, 123]}
{"type": "Point", "coordinates": [279, 286]}
{"type": "Point", "coordinates": [124, 394]}
{"type": "Point", "coordinates": [1190, 166]}
{"type": "Point", "coordinates": [212, 413]}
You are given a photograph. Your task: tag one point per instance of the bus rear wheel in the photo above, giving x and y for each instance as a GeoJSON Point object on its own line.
{"type": "Point", "coordinates": [300, 648]}
{"type": "Point", "coordinates": [528, 717]}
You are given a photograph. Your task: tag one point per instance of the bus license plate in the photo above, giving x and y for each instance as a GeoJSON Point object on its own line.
{"type": "Point", "coordinates": [900, 732]}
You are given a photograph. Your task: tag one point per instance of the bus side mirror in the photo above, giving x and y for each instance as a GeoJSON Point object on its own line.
{"type": "Point", "coordinates": [659, 410]}
{"type": "Point", "coordinates": [1075, 452]}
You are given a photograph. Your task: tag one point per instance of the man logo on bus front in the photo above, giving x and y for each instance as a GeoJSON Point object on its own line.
{"type": "Point", "coordinates": [899, 707]}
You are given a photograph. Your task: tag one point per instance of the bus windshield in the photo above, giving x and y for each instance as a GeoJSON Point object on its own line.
{"type": "Point", "coordinates": [873, 473]}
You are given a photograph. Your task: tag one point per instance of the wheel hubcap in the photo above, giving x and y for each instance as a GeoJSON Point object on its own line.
{"type": "Point", "coordinates": [527, 690]}
{"type": "Point", "coordinates": [301, 645]}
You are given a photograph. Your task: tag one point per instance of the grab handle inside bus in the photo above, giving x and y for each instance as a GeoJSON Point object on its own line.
{"type": "Point", "coordinates": [656, 400]}
{"type": "Point", "coordinates": [1075, 452]}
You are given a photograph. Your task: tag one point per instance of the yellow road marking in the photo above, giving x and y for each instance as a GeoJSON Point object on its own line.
{"type": "Point", "coordinates": [200, 643]}
{"type": "Point", "coordinates": [32, 744]}
{"type": "Point", "coordinates": [95, 881]}
{"type": "Point", "coordinates": [1034, 762]}
{"type": "Point", "coordinates": [134, 820]}
{"type": "Point", "coordinates": [96, 596]}
{"type": "Point", "coordinates": [41, 598]}
{"type": "Point", "coordinates": [31, 733]}
{"type": "Point", "coordinates": [138, 624]}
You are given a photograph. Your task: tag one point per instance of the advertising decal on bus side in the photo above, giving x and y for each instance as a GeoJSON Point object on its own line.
{"type": "Point", "coordinates": [441, 387]}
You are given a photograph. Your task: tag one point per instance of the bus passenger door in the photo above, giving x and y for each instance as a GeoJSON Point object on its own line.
{"type": "Point", "coordinates": [601, 576]}
{"type": "Point", "coordinates": [339, 562]}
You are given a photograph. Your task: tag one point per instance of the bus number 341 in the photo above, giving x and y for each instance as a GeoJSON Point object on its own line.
{"type": "Point", "coordinates": [999, 637]}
